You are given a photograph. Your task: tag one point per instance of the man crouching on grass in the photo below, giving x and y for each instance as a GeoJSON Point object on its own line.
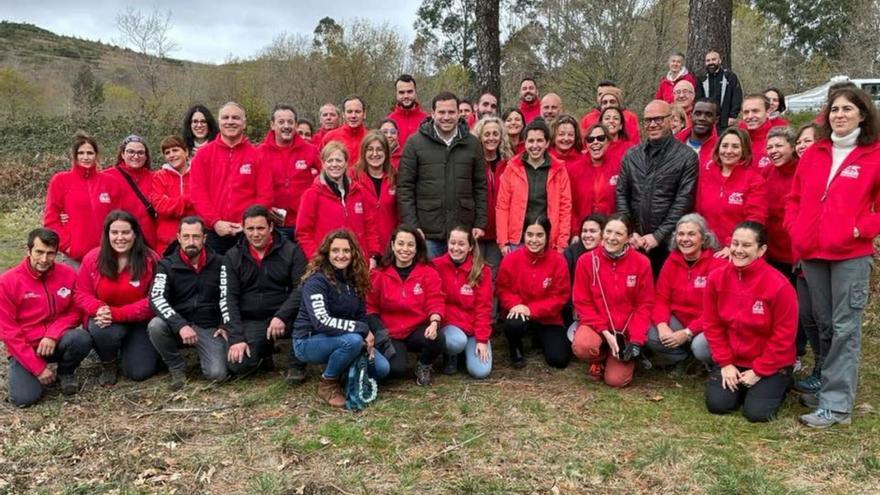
{"type": "Point", "coordinates": [39, 320]}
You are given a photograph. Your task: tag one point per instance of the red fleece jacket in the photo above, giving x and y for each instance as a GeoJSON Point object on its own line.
{"type": "Point", "coordinates": [404, 305]}
{"type": "Point", "coordinates": [467, 307]}
{"type": "Point", "coordinates": [294, 168]}
{"type": "Point", "coordinates": [172, 199]}
{"type": "Point", "coordinates": [143, 177]}
{"type": "Point", "coordinates": [680, 289]}
{"type": "Point", "coordinates": [727, 201]}
{"type": "Point", "coordinates": [408, 121]}
{"type": "Point", "coordinates": [540, 281]}
{"type": "Point", "coordinates": [127, 298]}
{"type": "Point", "coordinates": [350, 137]}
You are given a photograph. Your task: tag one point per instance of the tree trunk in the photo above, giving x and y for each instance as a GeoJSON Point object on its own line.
{"type": "Point", "coordinates": [488, 48]}
{"type": "Point", "coordinates": [709, 25]}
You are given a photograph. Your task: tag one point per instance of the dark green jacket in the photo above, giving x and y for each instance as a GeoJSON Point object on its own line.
{"type": "Point", "coordinates": [439, 187]}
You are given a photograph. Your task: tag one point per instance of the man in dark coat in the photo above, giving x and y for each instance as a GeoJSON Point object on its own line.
{"type": "Point", "coordinates": [721, 86]}
{"type": "Point", "coordinates": [442, 180]}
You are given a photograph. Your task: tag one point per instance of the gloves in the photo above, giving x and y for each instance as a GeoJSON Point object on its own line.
{"type": "Point", "coordinates": [631, 352]}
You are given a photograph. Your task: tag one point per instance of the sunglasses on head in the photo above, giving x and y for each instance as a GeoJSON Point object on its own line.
{"type": "Point", "coordinates": [601, 138]}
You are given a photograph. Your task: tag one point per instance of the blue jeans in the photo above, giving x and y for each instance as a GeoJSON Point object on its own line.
{"type": "Point", "coordinates": [336, 352]}
{"type": "Point", "coordinates": [457, 342]}
{"type": "Point", "coordinates": [436, 249]}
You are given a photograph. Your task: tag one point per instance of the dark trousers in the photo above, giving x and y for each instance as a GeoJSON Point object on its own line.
{"type": "Point", "coordinates": [70, 350]}
{"type": "Point", "coordinates": [221, 244]}
{"type": "Point", "coordinates": [658, 257]}
{"type": "Point", "coordinates": [261, 348]}
{"type": "Point", "coordinates": [551, 339]}
{"type": "Point", "coordinates": [129, 343]}
{"type": "Point", "coordinates": [428, 349]}
{"type": "Point", "coordinates": [801, 340]}
{"type": "Point", "coordinates": [759, 403]}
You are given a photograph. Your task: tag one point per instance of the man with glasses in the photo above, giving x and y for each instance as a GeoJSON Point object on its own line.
{"type": "Point", "coordinates": [657, 184]}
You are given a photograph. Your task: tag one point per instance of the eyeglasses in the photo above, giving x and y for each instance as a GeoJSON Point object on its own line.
{"type": "Point", "coordinates": [600, 138]}
{"type": "Point", "coordinates": [389, 132]}
{"type": "Point", "coordinates": [135, 152]}
{"type": "Point", "coordinates": [682, 92]}
{"type": "Point", "coordinates": [655, 120]}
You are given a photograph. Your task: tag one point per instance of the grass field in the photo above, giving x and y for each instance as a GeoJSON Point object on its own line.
{"type": "Point", "coordinates": [521, 431]}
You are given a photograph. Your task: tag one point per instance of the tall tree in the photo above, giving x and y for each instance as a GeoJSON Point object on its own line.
{"type": "Point", "coordinates": [448, 25]}
{"type": "Point", "coordinates": [488, 52]}
{"type": "Point", "coordinates": [88, 92]}
{"type": "Point", "coordinates": [709, 26]}
{"type": "Point", "coordinates": [813, 26]}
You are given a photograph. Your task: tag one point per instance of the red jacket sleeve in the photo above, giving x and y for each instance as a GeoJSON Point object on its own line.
{"type": "Point", "coordinates": [85, 292]}
{"type": "Point", "coordinates": [869, 224]}
{"type": "Point", "coordinates": [778, 349]}
{"type": "Point", "coordinates": [371, 236]}
{"type": "Point", "coordinates": [557, 295]}
{"type": "Point", "coordinates": [12, 335]}
{"type": "Point", "coordinates": [165, 204]}
{"type": "Point", "coordinates": [306, 218]}
{"type": "Point", "coordinates": [505, 288]}
{"type": "Point", "coordinates": [374, 296]}
{"type": "Point", "coordinates": [139, 310]}
{"type": "Point", "coordinates": [483, 316]}
{"type": "Point", "coordinates": [582, 296]}
{"type": "Point", "coordinates": [436, 300]}
{"type": "Point", "coordinates": [641, 320]}
{"type": "Point", "coordinates": [265, 192]}
{"type": "Point", "coordinates": [758, 208]}
{"type": "Point", "coordinates": [201, 176]}
{"type": "Point", "coordinates": [565, 214]}
{"type": "Point", "coordinates": [64, 322]}
{"type": "Point", "coordinates": [502, 211]}
{"type": "Point", "coordinates": [662, 311]}
{"type": "Point", "coordinates": [714, 329]}
{"type": "Point", "coordinates": [792, 202]}
{"type": "Point", "coordinates": [52, 214]}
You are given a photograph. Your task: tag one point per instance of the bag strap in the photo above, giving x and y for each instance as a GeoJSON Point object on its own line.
{"type": "Point", "coordinates": [137, 191]}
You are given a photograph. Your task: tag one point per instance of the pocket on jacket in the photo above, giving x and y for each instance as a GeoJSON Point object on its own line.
{"type": "Point", "coordinates": [466, 204]}
{"type": "Point", "coordinates": [858, 295]}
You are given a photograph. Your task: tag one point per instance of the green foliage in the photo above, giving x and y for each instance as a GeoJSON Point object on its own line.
{"type": "Point", "coordinates": [18, 96]}
{"type": "Point", "coordinates": [88, 91]}
{"type": "Point", "coordinates": [812, 27]}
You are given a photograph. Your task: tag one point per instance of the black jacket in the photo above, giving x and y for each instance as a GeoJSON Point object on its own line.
{"type": "Point", "coordinates": [249, 291]}
{"type": "Point", "coordinates": [328, 309]}
{"type": "Point", "coordinates": [439, 187]}
{"type": "Point", "coordinates": [729, 96]}
{"type": "Point", "coordinates": [181, 296]}
{"type": "Point", "coordinates": [657, 185]}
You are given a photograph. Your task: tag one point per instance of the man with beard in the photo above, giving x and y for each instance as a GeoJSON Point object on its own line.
{"type": "Point", "coordinates": [702, 135]}
{"type": "Point", "coordinates": [353, 131]}
{"type": "Point", "coordinates": [185, 296]}
{"type": "Point", "coordinates": [722, 86]}
{"type": "Point", "coordinates": [551, 107]}
{"type": "Point", "coordinates": [487, 105]}
{"type": "Point", "coordinates": [294, 164]}
{"type": "Point", "coordinates": [657, 184]}
{"type": "Point", "coordinates": [529, 104]}
{"type": "Point", "coordinates": [408, 114]}
{"type": "Point", "coordinates": [328, 119]}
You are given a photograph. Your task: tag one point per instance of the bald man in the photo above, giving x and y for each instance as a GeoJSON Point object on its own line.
{"type": "Point", "coordinates": [551, 107]}
{"type": "Point", "coordinates": [684, 95]}
{"type": "Point", "coordinates": [657, 184]}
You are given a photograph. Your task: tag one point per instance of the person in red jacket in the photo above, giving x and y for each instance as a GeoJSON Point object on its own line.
{"type": "Point", "coordinates": [170, 193]}
{"type": "Point", "coordinates": [294, 164]}
{"type": "Point", "coordinates": [702, 135]}
{"type": "Point", "coordinates": [39, 320]}
{"type": "Point", "coordinates": [133, 172]}
{"type": "Point", "coordinates": [533, 185]}
{"type": "Point", "coordinates": [227, 178]}
{"type": "Point", "coordinates": [613, 297]}
{"type": "Point", "coordinates": [529, 100]}
{"type": "Point", "coordinates": [406, 298]}
{"type": "Point", "coordinates": [677, 72]}
{"type": "Point", "coordinates": [198, 129]}
{"type": "Point", "coordinates": [755, 108]}
{"type": "Point", "coordinates": [467, 283]}
{"type": "Point", "coordinates": [731, 190]}
{"type": "Point", "coordinates": [750, 321]}
{"type": "Point", "coordinates": [407, 113]}
{"type": "Point", "coordinates": [112, 291]}
{"type": "Point", "coordinates": [388, 128]}
{"type": "Point", "coordinates": [334, 201]}
{"type": "Point", "coordinates": [491, 133]}
{"type": "Point", "coordinates": [532, 288]}
{"type": "Point", "coordinates": [328, 119]}
{"type": "Point", "coordinates": [609, 95]}
{"type": "Point", "coordinates": [514, 125]}
{"type": "Point", "coordinates": [807, 135]}
{"type": "Point", "coordinates": [305, 129]}
{"type": "Point", "coordinates": [353, 130]}
{"type": "Point", "coordinates": [677, 330]}
{"type": "Point", "coordinates": [378, 181]}
{"type": "Point", "coordinates": [618, 135]}
{"type": "Point", "coordinates": [78, 200]}
{"type": "Point", "coordinates": [831, 215]}
{"type": "Point", "coordinates": [594, 186]}
{"type": "Point", "coordinates": [777, 107]}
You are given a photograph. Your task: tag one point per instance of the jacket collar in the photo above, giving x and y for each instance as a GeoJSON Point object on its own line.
{"type": "Point", "coordinates": [85, 172]}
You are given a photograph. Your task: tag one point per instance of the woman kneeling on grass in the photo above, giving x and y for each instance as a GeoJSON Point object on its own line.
{"type": "Point", "coordinates": [613, 297]}
{"type": "Point", "coordinates": [750, 321]}
{"type": "Point", "coordinates": [331, 327]}
{"type": "Point", "coordinates": [532, 287]}
{"type": "Point", "coordinates": [406, 298]}
{"type": "Point", "coordinates": [467, 283]}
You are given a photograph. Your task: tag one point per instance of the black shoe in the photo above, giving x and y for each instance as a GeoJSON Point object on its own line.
{"type": "Point", "coordinates": [296, 374]}
{"type": "Point", "coordinates": [178, 380]}
{"type": "Point", "coordinates": [424, 374]}
{"type": "Point", "coordinates": [450, 365]}
{"type": "Point", "coordinates": [517, 358]}
{"type": "Point", "coordinates": [69, 386]}
{"type": "Point", "coordinates": [267, 364]}
{"type": "Point", "coordinates": [109, 374]}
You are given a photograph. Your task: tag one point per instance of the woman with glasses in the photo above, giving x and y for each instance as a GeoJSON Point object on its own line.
{"type": "Point", "coordinates": [133, 172]}
{"type": "Point", "coordinates": [378, 180]}
{"type": "Point", "coordinates": [389, 129]}
{"type": "Point", "coordinates": [613, 297]}
{"type": "Point", "coordinates": [199, 127]}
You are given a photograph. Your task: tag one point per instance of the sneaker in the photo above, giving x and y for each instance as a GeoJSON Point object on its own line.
{"type": "Point", "coordinates": [823, 418]}
{"type": "Point", "coordinates": [811, 384]}
{"type": "Point", "coordinates": [109, 374]}
{"type": "Point", "coordinates": [450, 365]}
{"type": "Point", "coordinates": [423, 374]}
{"type": "Point", "coordinates": [69, 385]}
{"type": "Point", "coordinates": [810, 401]}
{"type": "Point", "coordinates": [597, 372]}
{"type": "Point", "coordinates": [295, 375]}
{"type": "Point", "coordinates": [178, 379]}
{"type": "Point", "coordinates": [517, 358]}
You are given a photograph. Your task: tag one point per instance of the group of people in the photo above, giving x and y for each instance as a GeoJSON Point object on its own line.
{"type": "Point", "coordinates": [732, 241]}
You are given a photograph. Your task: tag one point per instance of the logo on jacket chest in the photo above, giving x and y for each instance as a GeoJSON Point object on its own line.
{"type": "Point", "coordinates": [700, 282]}
{"type": "Point", "coordinates": [417, 289]}
{"type": "Point", "coordinates": [631, 280]}
{"type": "Point", "coordinates": [135, 283]}
{"type": "Point", "coordinates": [63, 292]}
{"type": "Point", "coordinates": [764, 162]}
{"type": "Point", "coordinates": [301, 165]}
{"type": "Point", "coordinates": [30, 295]}
{"type": "Point", "coordinates": [104, 198]}
{"type": "Point", "coordinates": [851, 172]}
{"type": "Point", "coordinates": [245, 169]}
{"type": "Point", "coordinates": [392, 191]}
{"type": "Point", "coordinates": [467, 290]}
{"type": "Point", "coordinates": [359, 208]}
{"type": "Point", "coordinates": [613, 180]}
{"type": "Point", "coordinates": [758, 307]}
{"type": "Point", "coordinates": [547, 282]}
{"type": "Point", "coordinates": [735, 198]}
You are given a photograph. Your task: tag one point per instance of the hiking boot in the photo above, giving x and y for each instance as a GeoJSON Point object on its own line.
{"type": "Point", "coordinates": [424, 374]}
{"type": "Point", "coordinates": [679, 369]}
{"type": "Point", "coordinates": [517, 358]}
{"type": "Point", "coordinates": [811, 384]}
{"type": "Point", "coordinates": [330, 391]}
{"type": "Point", "coordinates": [823, 418]}
{"type": "Point", "coordinates": [810, 401]}
{"type": "Point", "coordinates": [267, 365]}
{"type": "Point", "coordinates": [109, 374]}
{"type": "Point", "coordinates": [450, 365]}
{"type": "Point", "coordinates": [69, 385]}
{"type": "Point", "coordinates": [296, 374]}
{"type": "Point", "coordinates": [597, 372]}
{"type": "Point", "coordinates": [178, 379]}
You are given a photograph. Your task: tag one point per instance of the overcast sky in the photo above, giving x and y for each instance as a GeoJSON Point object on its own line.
{"type": "Point", "coordinates": [209, 31]}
